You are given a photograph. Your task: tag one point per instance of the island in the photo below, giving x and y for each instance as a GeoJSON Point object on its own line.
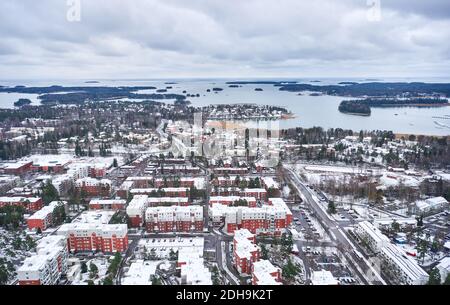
{"type": "Point", "coordinates": [78, 95]}
{"type": "Point", "coordinates": [245, 111]}
{"type": "Point", "coordinates": [362, 106]}
{"type": "Point", "coordinates": [22, 102]}
{"type": "Point", "coordinates": [275, 83]}
{"type": "Point", "coordinates": [347, 83]}
{"type": "Point", "coordinates": [374, 89]}
{"type": "Point", "coordinates": [355, 108]}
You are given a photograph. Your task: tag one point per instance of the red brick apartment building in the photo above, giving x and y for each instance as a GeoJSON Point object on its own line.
{"type": "Point", "coordinates": [167, 192]}
{"type": "Point", "coordinates": [270, 219]}
{"type": "Point", "coordinates": [174, 219]}
{"type": "Point", "coordinates": [107, 205]}
{"type": "Point", "coordinates": [43, 219]}
{"type": "Point", "coordinates": [245, 250]}
{"type": "Point", "coordinates": [17, 168]}
{"type": "Point", "coordinates": [29, 203]}
{"type": "Point", "coordinates": [231, 200]}
{"type": "Point", "coordinates": [94, 187]}
{"type": "Point", "coordinates": [85, 237]}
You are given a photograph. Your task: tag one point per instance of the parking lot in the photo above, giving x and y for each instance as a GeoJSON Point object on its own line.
{"type": "Point", "coordinates": [326, 258]}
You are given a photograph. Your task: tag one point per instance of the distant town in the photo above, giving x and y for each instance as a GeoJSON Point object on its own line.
{"type": "Point", "coordinates": [113, 192]}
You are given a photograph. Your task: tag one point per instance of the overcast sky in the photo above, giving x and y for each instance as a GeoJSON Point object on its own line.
{"type": "Point", "coordinates": [224, 38]}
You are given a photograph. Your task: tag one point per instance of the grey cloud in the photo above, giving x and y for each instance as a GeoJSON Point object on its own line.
{"type": "Point", "coordinates": [118, 38]}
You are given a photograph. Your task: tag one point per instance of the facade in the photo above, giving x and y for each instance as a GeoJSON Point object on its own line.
{"type": "Point", "coordinates": [180, 182]}
{"type": "Point", "coordinates": [431, 205]}
{"type": "Point", "coordinates": [110, 204]}
{"type": "Point", "coordinates": [271, 219]}
{"type": "Point", "coordinates": [371, 236]}
{"type": "Point", "coordinates": [174, 219]}
{"type": "Point", "coordinates": [192, 268]}
{"type": "Point", "coordinates": [17, 168]}
{"type": "Point", "coordinates": [47, 265]}
{"type": "Point", "coordinates": [136, 210]}
{"type": "Point", "coordinates": [231, 171]}
{"type": "Point", "coordinates": [404, 223]}
{"type": "Point", "coordinates": [401, 268]}
{"type": "Point", "coordinates": [257, 193]}
{"type": "Point", "coordinates": [43, 218]}
{"type": "Point", "coordinates": [167, 201]}
{"type": "Point", "coordinates": [94, 187]}
{"type": "Point", "coordinates": [29, 203]}
{"type": "Point", "coordinates": [231, 200]}
{"type": "Point", "coordinates": [167, 192]}
{"type": "Point", "coordinates": [87, 237]}
{"type": "Point", "coordinates": [260, 194]}
{"type": "Point", "coordinates": [124, 190]}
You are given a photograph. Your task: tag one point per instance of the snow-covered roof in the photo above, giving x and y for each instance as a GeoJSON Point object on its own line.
{"type": "Point", "coordinates": [140, 273]}
{"type": "Point", "coordinates": [263, 271]}
{"type": "Point", "coordinates": [323, 277]}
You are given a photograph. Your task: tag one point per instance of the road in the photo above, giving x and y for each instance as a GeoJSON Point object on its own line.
{"type": "Point", "coordinates": [337, 234]}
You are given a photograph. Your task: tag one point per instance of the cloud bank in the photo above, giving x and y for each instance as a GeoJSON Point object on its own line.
{"type": "Point", "coordinates": [218, 38]}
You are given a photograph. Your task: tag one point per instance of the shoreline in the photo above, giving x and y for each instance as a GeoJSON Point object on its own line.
{"type": "Point", "coordinates": [355, 113]}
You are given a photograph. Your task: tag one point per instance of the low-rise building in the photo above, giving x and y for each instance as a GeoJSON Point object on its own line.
{"type": "Point", "coordinates": [158, 192]}
{"type": "Point", "coordinates": [431, 205]}
{"type": "Point", "coordinates": [43, 218]}
{"type": "Point", "coordinates": [108, 204]}
{"type": "Point", "coordinates": [232, 200]}
{"type": "Point", "coordinates": [401, 268]}
{"type": "Point", "coordinates": [29, 203]}
{"type": "Point", "coordinates": [192, 267]}
{"type": "Point", "coordinates": [264, 273]}
{"type": "Point", "coordinates": [371, 236]}
{"type": "Point", "coordinates": [94, 187]}
{"type": "Point", "coordinates": [404, 223]}
{"type": "Point", "coordinates": [140, 273]}
{"type": "Point", "coordinates": [444, 268]}
{"type": "Point", "coordinates": [17, 168]}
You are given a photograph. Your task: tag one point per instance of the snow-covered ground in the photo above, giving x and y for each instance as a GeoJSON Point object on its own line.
{"type": "Point", "coordinates": [13, 258]}
{"type": "Point", "coordinates": [395, 179]}
{"type": "Point", "coordinates": [83, 278]}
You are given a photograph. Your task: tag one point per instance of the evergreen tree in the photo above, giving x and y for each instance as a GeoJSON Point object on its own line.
{"type": "Point", "coordinates": [434, 277]}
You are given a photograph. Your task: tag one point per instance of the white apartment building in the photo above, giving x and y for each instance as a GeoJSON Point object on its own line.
{"type": "Point", "coordinates": [47, 266]}
{"type": "Point", "coordinates": [403, 269]}
{"type": "Point", "coordinates": [371, 236]}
